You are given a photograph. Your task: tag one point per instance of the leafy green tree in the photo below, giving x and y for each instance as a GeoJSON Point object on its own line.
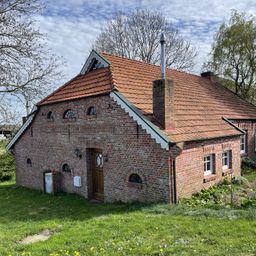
{"type": "Point", "coordinates": [233, 55]}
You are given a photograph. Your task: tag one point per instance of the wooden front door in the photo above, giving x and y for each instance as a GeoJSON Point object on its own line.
{"type": "Point", "coordinates": [97, 175]}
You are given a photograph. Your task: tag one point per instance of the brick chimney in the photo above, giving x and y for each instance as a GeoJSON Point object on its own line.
{"type": "Point", "coordinates": [24, 119]}
{"type": "Point", "coordinates": [163, 94]}
{"type": "Point", "coordinates": [209, 75]}
{"type": "Point", "coordinates": [163, 100]}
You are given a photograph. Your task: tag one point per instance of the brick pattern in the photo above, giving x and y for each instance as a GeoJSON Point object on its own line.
{"type": "Point", "coordinates": [250, 126]}
{"type": "Point", "coordinates": [163, 99]}
{"type": "Point", "coordinates": [51, 143]}
{"type": "Point", "coordinates": [190, 164]}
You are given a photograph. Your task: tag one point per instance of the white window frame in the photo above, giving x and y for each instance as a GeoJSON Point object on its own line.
{"type": "Point", "coordinates": [243, 143]}
{"type": "Point", "coordinates": [208, 159]}
{"type": "Point", "coordinates": [226, 156]}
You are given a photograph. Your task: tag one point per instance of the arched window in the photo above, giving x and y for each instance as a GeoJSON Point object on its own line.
{"type": "Point", "coordinates": [69, 114]}
{"type": "Point", "coordinates": [66, 168]}
{"type": "Point", "coordinates": [50, 115]}
{"type": "Point", "coordinates": [91, 111]}
{"type": "Point", "coordinates": [135, 178]}
{"type": "Point", "coordinates": [29, 162]}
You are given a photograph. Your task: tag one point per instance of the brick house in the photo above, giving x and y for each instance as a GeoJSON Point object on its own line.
{"type": "Point", "coordinates": [118, 132]}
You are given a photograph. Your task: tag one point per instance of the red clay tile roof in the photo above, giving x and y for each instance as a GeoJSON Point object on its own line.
{"type": "Point", "coordinates": [199, 103]}
{"type": "Point", "coordinates": [95, 82]}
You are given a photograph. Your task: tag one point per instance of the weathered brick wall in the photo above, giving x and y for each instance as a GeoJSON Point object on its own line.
{"type": "Point", "coordinates": [250, 126]}
{"type": "Point", "coordinates": [49, 144]}
{"type": "Point", "coordinates": [190, 164]}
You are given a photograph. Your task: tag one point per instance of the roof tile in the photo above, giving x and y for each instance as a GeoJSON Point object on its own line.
{"type": "Point", "coordinates": [95, 82]}
{"type": "Point", "coordinates": [199, 104]}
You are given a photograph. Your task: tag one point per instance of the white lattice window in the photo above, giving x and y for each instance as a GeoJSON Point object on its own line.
{"type": "Point", "coordinates": [209, 164]}
{"type": "Point", "coordinates": [226, 160]}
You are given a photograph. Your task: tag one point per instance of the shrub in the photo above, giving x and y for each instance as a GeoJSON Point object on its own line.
{"type": "Point", "coordinates": [7, 168]}
{"type": "Point", "coordinates": [240, 180]}
{"type": "Point", "coordinates": [247, 162]}
{"type": "Point", "coordinates": [212, 196]}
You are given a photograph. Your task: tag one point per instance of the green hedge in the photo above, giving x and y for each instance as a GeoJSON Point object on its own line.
{"type": "Point", "coordinates": [247, 162]}
{"type": "Point", "coordinates": [7, 166]}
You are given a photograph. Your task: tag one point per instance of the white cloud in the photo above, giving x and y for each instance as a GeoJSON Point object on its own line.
{"type": "Point", "coordinates": [70, 38]}
{"type": "Point", "coordinates": [73, 25]}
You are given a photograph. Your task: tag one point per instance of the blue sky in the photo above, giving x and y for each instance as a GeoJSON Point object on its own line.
{"type": "Point", "coordinates": [73, 25]}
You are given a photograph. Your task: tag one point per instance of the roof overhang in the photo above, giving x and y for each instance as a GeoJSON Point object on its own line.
{"type": "Point", "coordinates": [22, 129]}
{"type": "Point", "coordinates": [233, 125]}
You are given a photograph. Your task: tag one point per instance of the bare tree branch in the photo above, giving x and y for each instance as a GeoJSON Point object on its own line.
{"type": "Point", "coordinates": [27, 67]}
{"type": "Point", "coordinates": [137, 36]}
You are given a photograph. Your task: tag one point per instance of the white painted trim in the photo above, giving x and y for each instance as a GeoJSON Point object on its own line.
{"type": "Point", "coordinates": [137, 116]}
{"type": "Point", "coordinates": [93, 55]}
{"type": "Point", "coordinates": [225, 167]}
{"type": "Point", "coordinates": [232, 124]}
{"type": "Point", "coordinates": [211, 171]}
{"type": "Point", "coordinates": [243, 138]}
{"type": "Point", "coordinates": [21, 131]}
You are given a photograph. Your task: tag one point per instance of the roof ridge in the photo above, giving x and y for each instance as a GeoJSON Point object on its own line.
{"type": "Point", "coordinates": [146, 63]}
{"type": "Point", "coordinates": [111, 77]}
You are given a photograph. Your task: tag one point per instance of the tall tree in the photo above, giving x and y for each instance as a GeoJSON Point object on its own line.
{"type": "Point", "coordinates": [137, 36]}
{"type": "Point", "coordinates": [233, 55]}
{"type": "Point", "coordinates": [27, 68]}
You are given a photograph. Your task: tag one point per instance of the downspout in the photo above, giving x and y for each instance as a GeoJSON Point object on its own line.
{"type": "Point", "coordinates": [172, 180]}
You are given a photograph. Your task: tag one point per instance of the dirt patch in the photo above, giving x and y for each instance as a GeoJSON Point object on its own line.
{"type": "Point", "coordinates": [44, 235]}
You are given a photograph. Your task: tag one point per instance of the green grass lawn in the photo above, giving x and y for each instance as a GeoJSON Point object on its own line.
{"type": "Point", "coordinates": [80, 227]}
{"type": "Point", "coordinates": [84, 228]}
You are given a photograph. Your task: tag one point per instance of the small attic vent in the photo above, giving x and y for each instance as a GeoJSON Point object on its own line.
{"type": "Point", "coordinates": [95, 64]}
{"type": "Point", "coordinates": [94, 61]}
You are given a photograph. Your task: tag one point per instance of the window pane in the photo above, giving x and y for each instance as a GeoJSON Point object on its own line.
{"type": "Point", "coordinates": [243, 142]}
{"type": "Point", "coordinates": [91, 111]}
{"type": "Point", "coordinates": [69, 114]}
{"type": "Point", "coordinates": [66, 168]}
{"type": "Point", "coordinates": [208, 163]}
{"type": "Point", "coordinates": [208, 166]}
{"type": "Point", "coordinates": [135, 178]}
{"type": "Point", "coordinates": [205, 166]}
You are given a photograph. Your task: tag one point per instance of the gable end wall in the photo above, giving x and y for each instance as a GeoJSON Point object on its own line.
{"type": "Point", "coordinates": [50, 144]}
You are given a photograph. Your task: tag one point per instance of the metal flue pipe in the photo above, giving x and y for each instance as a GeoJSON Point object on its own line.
{"type": "Point", "coordinates": [162, 57]}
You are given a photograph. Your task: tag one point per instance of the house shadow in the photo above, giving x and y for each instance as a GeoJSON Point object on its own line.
{"type": "Point", "coordinates": [22, 204]}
